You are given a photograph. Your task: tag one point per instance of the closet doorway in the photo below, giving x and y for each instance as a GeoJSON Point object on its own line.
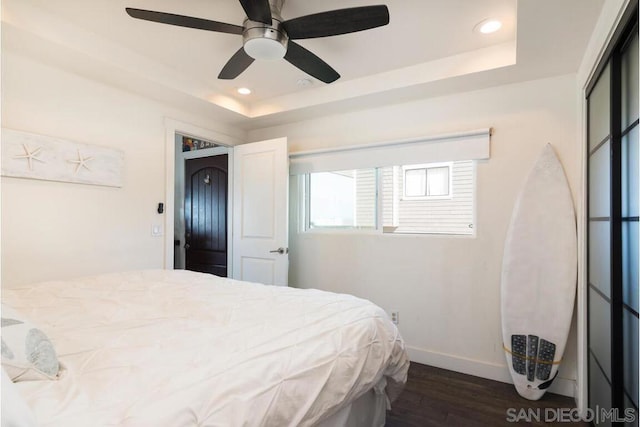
{"type": "Point", "coordinates": [257, 201]}
{"type": "Point", "coordinates": [201, 217]}
{"type": "Point", "coordinates": [613, 163]}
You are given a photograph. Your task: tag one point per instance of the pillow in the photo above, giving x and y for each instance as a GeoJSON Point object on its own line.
{"type": "Point", "coordinates": [15, 411]}
{"type": "Point", "coordinates": [27, 353]}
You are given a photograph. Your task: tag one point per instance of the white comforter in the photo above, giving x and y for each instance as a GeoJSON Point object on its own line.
{"type": "Point", "coordinates": [176, 348]}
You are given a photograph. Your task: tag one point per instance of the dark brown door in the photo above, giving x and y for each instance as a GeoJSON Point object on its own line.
{"type": "Point", "coordinates": [205, 214]}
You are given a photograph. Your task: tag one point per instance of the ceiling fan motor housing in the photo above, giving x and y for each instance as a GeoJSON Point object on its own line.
{"type": "Point", "coordinates": [264, 41]}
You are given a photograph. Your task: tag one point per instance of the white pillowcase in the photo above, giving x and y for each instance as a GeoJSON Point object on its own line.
{"type": "Point", "coordinates": [15, 411]}
{"type": "Point", "coordinates": [27, 352]}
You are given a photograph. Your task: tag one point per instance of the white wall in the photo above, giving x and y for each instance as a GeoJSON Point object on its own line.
{"type": "Point", "coordinates": [56, 230]}
{"type": "Point", "coordinates": [447, 289]}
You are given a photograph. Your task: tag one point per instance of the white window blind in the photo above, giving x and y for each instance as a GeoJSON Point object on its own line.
{"type": "Point", "coordinates": [472, 145]}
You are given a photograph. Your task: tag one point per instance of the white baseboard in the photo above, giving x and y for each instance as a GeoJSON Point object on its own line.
{"type": "Point", "coordinates": [492, 371]}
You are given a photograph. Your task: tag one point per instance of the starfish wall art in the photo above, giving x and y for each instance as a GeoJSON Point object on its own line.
{"type": "Point", "coordinates": [27, 155]}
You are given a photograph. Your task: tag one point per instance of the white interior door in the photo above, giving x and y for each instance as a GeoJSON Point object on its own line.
{"type": "Point", "coordinates": [260, 212]}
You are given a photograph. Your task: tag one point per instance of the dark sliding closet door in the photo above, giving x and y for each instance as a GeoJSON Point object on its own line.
{"type": "Point", "coordinates": [600, 265]}
{"type": "Point", "coordinates": [613, 193]}
{"type": "Point", "coordinates": [629, 218]}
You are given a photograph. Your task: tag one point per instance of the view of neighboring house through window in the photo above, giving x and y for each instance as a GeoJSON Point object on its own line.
{"type": "Point", "coordinates": [424, 198]}
{"type": "Point", "coordinates": [429, 198]}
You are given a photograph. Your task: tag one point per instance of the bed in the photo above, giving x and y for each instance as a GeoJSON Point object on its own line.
{"type": "Point", "coordinates": [178, 348]}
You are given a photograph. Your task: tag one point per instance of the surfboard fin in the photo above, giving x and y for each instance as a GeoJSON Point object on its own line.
{"type": "Point", "coordinates": [545, 385]}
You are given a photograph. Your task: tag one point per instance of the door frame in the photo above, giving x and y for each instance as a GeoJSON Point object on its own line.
{"type": "Point", "coordinates": [172, 127]}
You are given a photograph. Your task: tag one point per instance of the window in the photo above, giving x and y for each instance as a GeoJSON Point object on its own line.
{"type": "Point", "coordinates": [426, 198]}
{"type": "Point", "coordinates": [419, 186]}
{"type": "Point", "coordinates": [341, 199]}
{"type": "Point", "coordinates": [427, 180]}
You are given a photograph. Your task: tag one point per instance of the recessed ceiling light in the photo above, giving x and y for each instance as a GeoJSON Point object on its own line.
{"type": "Point", "coordinates": [488, 26]}
{"type": "Point", "coordinates": [244, 90]}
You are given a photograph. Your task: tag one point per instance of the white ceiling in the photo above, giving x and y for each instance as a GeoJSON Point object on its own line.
{"type": "Point", "coordinates": [429, 48]}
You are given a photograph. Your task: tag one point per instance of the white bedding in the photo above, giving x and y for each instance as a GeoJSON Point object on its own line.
{"type": "Point", "coordinates": [177, 348]}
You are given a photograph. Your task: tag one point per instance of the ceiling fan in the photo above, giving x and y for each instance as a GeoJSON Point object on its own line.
{"type": "Point", "coordinates": [265, 35]}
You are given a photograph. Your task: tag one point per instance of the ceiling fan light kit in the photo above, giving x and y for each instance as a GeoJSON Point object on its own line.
{"type": "Point", "coordinates": [265, 35]}
{"type": "Point", "coordinates": [265, 41]}
{"type": "Point", "coordinates": [263, 46]}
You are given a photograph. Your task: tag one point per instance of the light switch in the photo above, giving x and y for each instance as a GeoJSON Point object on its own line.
{"type": "Point", "coordinates": [156, 230]}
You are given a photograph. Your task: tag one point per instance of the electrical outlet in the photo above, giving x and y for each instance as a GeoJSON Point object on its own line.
{"type": "Point", "coordinates": [395, 317]}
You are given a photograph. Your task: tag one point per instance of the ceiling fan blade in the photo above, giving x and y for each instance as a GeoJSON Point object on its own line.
{"type": "Point", "coordinates": [335, 22]}
{"type": "Point", "coordinates": [184, 21]}
{"type": "Point", "coordinates": [310, 63]}
{"type": "Point", "coordinates": [236, 65]}
{"type": "Point", "coordinates": [257, 10]}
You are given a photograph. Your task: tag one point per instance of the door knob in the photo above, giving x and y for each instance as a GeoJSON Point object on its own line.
{"type": "Point", "coordinates": [280, 251]}
{"type": "Point", "coordinates": [187, 246]}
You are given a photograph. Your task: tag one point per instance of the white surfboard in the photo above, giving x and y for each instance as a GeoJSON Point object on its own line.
{"type": "Point", "coordinates": [539, 273]}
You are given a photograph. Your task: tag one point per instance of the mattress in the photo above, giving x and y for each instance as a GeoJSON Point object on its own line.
{"type": "Point", "coordinates": [178, 348]}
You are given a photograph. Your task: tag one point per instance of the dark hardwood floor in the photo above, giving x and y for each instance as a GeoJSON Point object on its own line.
{"type": "Point", "coordinates": [437, 397]}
